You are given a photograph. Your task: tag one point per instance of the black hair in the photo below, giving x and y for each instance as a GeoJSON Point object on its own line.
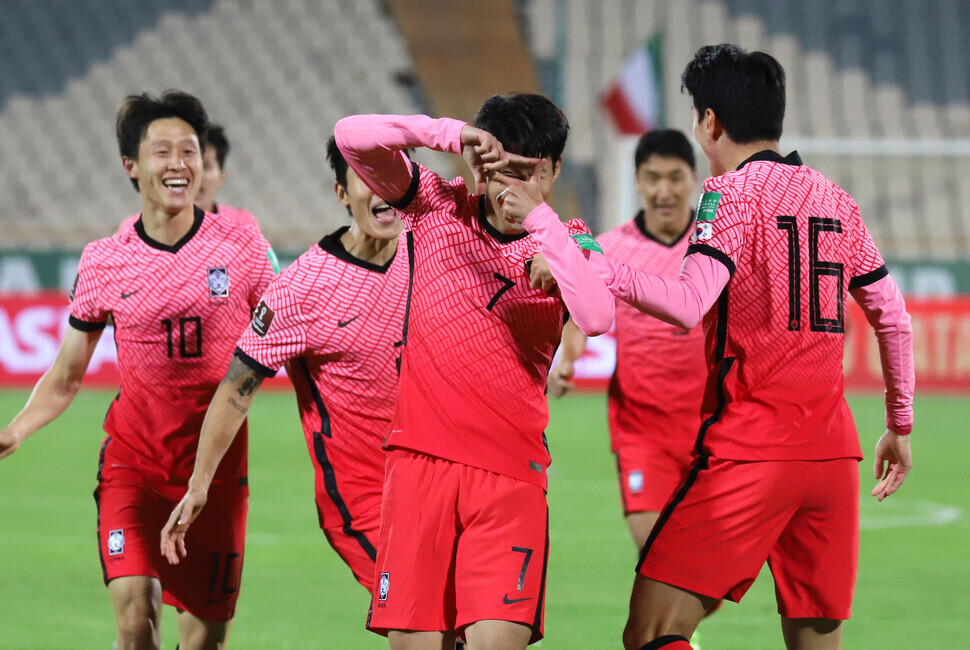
{"type": "Point", "coordinates": [138, 111]}
{"type": "Point", "coordinates": [217, 139]}
{"type": "Point", "coordinates": [670, 143]}
{"type": "Point", "coordinates": [525, 124]}
{"type": "Point", "coordinates": [337, 162]}
{"type": "Point", "coordinates": [745, 90]}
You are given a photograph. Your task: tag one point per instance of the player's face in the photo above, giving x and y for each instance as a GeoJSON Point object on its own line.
{"type": "Point", "coordinates": [213, 177]}
{"type": "Point", "coordinates": [548, 173]}
{"type": "Point", "coordinates": [169, 165]}
{"type": "Point", "coordinates": [666, 184]}
{"type": "Point", "coordinates": [372, 215]}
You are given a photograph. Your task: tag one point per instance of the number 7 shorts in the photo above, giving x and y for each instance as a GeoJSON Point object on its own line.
{"type": "Point", "coordinates": [132, 509]}
{"type": "Point", "coordinates": [458, 545]}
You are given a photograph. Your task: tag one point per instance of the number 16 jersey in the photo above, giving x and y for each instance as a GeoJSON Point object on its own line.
{"type": "Point", "coordinates": [178, 311]}
{"type": "Point", "coordinates": [795, 245]}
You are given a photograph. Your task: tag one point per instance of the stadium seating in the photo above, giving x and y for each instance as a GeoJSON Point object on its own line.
{"type": "Point", "coordinates": [860, 73]}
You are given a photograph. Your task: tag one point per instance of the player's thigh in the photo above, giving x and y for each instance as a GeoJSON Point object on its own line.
{"type": "Point", "coordinates": [716, 532]}
{"type": "Point", "coordinates": [812, 633]}
{"type": "Point", "coordinates": [137, 602]}
{"type": "Point", "coordinates": [649, 475]}
{"type": "Point", "coordinates": [200, 634]}
{"type": "Point", "coordinates": [503, 548]}
{"type": "Point", "coordinates": [500, 635]}
{"type": "Point", "coordinates": [206, 582]}
{"type": "Point", "coordinates": [415, 553]}
{"type": "Point", "coordinates": [405, 640]}
{"type": "Point", "coordinates": [815, 561]}
{"type": "Point", "coordinates": [640, 525]}
{"type": "Point", "coordinates": [130, 518]}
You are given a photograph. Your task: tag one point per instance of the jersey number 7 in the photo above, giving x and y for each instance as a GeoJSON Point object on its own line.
{"type": "Point", "coordinates": [817, 270]}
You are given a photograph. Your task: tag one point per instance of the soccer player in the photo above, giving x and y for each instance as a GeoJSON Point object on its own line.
{"type": "Point", "coordinates": [656, 389]}
{"type": "Point", "coordinates": [776, 251]}
{"type": "Point", "coordinates": [464, 531]}
{"type": "Point", "coordinates": [213, 178]}
{"type": "Point", "coordinates": [180, 286]}
{"type": "Point", "coordinates": [334, 317]}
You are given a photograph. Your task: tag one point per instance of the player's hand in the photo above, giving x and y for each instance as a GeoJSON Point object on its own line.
{"type": "Point", "coordinates": [9, 441]}
{"type": "Point", "coordinates": [540, 275]}
{"type": "Point", "coordinates": [482, 152]}
{"type": "Point", "coordinates": [560, 377]}
{"type": "Point", "coordinates": [173, 534]}
{"type": "Point", "coordinates": [892, 463]}
{"type": "Point", "coordinates": [519, 198]}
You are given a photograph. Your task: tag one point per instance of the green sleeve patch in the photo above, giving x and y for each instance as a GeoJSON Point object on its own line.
{"type": "Point", "coordinates": [707, 206]}
{"type": "Point", "coordinates": [273, 260]}
{"type": "Point", "coordinates": [587, 241]}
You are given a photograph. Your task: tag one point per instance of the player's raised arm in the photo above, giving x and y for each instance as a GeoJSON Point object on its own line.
{"type": "Point", "coordinates": [54, 391]}
{"type": "Point", "coordinates": [885, 310]}
{"type": "Point", "coordinates": [562, 371]}
{"type": "Point", "coordinates": [227, 411]}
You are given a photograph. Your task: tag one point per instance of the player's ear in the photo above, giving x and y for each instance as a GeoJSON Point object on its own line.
{"type": "Point", "coordinates": [131, 167]}
{"type": "Point", "coordinates": [556, 168]}
{"type": "Point", "coordinates": [341, 193]}
{"type": "Point", "coordinates": [712, 124]}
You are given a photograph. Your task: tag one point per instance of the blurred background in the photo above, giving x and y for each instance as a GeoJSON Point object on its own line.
{"type": "Point", "coordinates": [878, 100]}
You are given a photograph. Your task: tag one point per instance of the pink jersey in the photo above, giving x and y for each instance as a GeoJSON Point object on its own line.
{"type": "Point", "coordinates": [239, 216]}
{"type": "Point", "coordinates": [656, 390]}
{"type": "Point", "coordinates": [795, 244]}
{"type": "Point", "coordinates": [338, 321]}
{"type": "Point", "coordinates": [178, 311]}
{"type": "Point", "coordinates": [478, 340]}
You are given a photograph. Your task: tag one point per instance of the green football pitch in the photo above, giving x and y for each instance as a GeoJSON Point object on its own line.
{"type": "Point", "coordinates": [911, 593]}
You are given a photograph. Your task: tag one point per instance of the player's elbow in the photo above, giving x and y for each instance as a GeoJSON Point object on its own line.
{"type": "Point", "coordinates": [596, 323]}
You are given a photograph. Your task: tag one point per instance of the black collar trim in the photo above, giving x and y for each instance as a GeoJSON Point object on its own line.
{"type": "Point", "coordinates": [199, 214]}
{"type": "Point", "coordinates": [641, 222]}
{"type": "Point", "coordinates": [332, 244]}
{"type": "Point", "coordinates": [773, 156]}
{"type": "Point", "coordinates": [497, 235]}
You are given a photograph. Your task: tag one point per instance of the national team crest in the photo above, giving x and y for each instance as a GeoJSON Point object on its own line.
{"type": "Point", "coordinates": [384, 586]}
{"type": "Point", "coordinates": [634, 481]}
{"type": "Point", "coordinates": [116, 542]}
{"type": "Point", "coordinates": [218, 282]}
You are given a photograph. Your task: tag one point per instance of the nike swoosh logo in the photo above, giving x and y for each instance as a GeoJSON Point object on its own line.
{"type": "Point", "coordinates": [129, 294]}
{"type": "Point", "coordinates": [345, 323]}
{"type": "Point", "coordinates": [215, 601]}
{"type": "Point", "coordinates": [512, 601]}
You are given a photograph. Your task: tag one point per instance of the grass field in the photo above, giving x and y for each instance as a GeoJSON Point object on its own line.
{"type": "Point", "coordinates": [911, 593]}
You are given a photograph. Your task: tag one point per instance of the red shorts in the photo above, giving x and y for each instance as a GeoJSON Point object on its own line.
{"type": "Point", "coordinates": [348, 499]}
{"type": "Point", "coordinates": [649, 474]}
{"type": "Point", "coordinates": [131, 513]}
{"type": "Point", "coordinates": [729, 517]}
{"type": "Point", "coordinates": [458, 545]}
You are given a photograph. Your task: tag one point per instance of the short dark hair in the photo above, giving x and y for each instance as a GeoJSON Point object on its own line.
{"type": "Point", "coordinates": [670, 143]}
{"type": "Point", "coordinates": [217, 138]}
{"type": "Point", "coordinates": [138, 111]}
{"type": "Point", "coordinates": [525, 124]}
{"type": "Point", "coordinates": [337, 162]}
{"type": "Point", "coordinates": [745, 90]}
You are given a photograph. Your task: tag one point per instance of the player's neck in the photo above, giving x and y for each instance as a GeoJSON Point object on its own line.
{"type": "Point", "coordinates": [733, 154]}
{"type": "Point", "coordinates": [501, 225]}
{"type": "Point", "coordinates": [666, 231]}
{"type": "Point", "coordinates": [166, 228]}
{"type": "Point", "coordinates": [367, 248]}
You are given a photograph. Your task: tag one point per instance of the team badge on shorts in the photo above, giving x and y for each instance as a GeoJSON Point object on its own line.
{"type": "Point", "coordinates": [706, 213]}
{"type": "Point", "coordinates": [383, 587]}
{"type": "Point", "coordinates": [116, 542]}
{"type": "Point", "coordinates": [634, 481]}
{"type": "Point", "coordinates": [218, 282]}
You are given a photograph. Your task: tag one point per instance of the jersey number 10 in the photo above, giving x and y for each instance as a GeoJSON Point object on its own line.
{"type": "Point", "coordinates": [189, 336]}
{"type": "Point", "coordinates": [817, 270]}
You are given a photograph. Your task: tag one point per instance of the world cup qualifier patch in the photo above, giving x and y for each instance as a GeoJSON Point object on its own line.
{"type": "Point", "coordinates": [116, 541]}
{"type": "Point", "coordinates": [586, 242]}
{"type": "Point", "coordinates": [706, 213]}
{"type": "Point", "coordinates": [218, 282]}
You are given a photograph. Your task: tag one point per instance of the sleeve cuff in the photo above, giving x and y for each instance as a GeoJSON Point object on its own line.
{"type": "Point", "coordinates": [866, 279]}
{"type": "Point", "coordinates": [710, 251]}
{"type": "Point", "coordinates": [412, 192]}
{"type": "Point", "coordinates": [254, 365]}
{"type": "Point", "coordinates": [84, 325]}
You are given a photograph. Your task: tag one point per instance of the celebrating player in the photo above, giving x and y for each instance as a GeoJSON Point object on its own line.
{"type": "Point", "coordinates": [655, 392]}
{"type": "Point", "coordinates": [464, 532]}
{"type": "Point", "coordinates": [335, 318]}
{"type": "Point", "coordinates": [777, 248]}
{"type": "Point", "coordinates": [179, 286]}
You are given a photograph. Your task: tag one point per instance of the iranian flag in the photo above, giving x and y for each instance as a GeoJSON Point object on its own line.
{"type": "Point", "coordinates": [635, 100]}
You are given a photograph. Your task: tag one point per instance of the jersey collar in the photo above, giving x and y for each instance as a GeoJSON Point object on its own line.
{"type": "Point", "coordinates": [773, 156]}
{"type": "Point", "coordinates": [331, 244]}
{"type": "Point", "coordinates": [198, 213]}
{"type": "Point", "coordinates": [641, 223]}
{"type": "Point", "coordinates": [497, 235]}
